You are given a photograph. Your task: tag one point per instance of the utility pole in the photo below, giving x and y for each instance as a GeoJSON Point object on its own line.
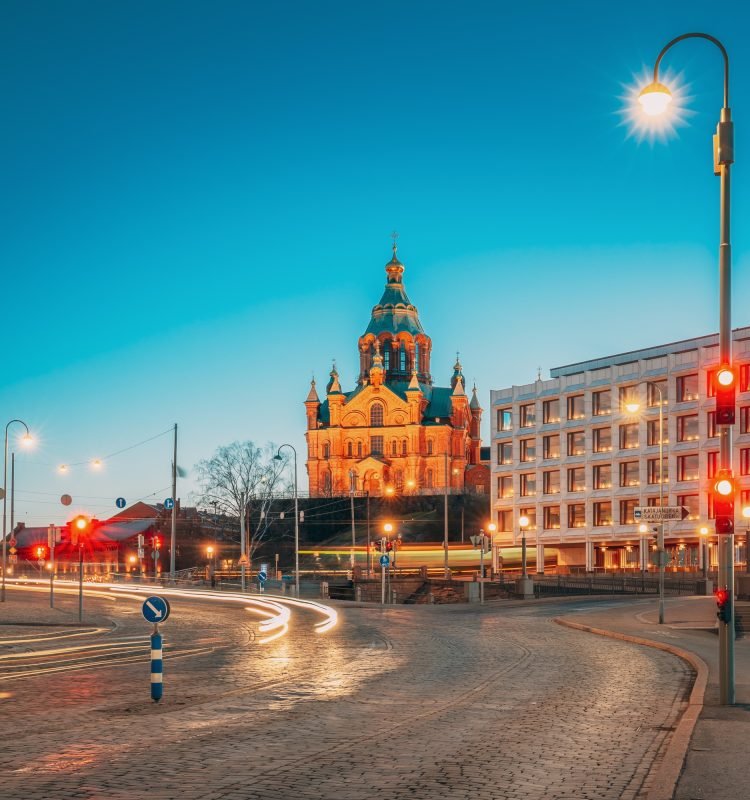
{"type": "Point", "coordinates": [243, 501]}
{"type": "Point", "coordinates": [446, 569]}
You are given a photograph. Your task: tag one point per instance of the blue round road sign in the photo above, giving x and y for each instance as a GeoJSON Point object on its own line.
{"type": "Point", "coordinates": [120, 502]}
{"type": "Point", "coordinates": [384, 561]}
{"type": "Point", "coordinates": [262, 576]}
{"type": "Point", "coordinates": [155, 609]}
{"type": "Point", "coordinates": [169, 504]}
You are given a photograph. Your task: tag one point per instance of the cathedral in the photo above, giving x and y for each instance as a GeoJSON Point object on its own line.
{"type": "Point", "coordinates": [395, 432]}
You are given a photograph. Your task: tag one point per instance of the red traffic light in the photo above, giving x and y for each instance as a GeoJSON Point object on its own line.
{"type": "Point", "coordinates": [722, 595]}
{"type": "Point", "coordinates": [156, 542]}
{"type": "Point", "coordinates": [723, 603]}
{"type": "Point", "coordinates": [725, 385]}
{"type": "Point", "coordinates": [723, 492]}
{"type": "Point", "coordinates": [40, 551]}
{"type": "Point", "coordinates": [389, 546]}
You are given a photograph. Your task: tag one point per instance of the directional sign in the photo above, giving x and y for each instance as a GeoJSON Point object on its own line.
{"type": "Point", "coordinates": [262, 576]}
{"type": "Point", "coordinates": [660, 513]}
{"type": "Point", "coordinates": [66, 499]}
{"type": "Point", "coordinates": [155, 609]}
{"type": "Point", "coordinates": [384, 561]}
{"type": "Point", "coordinates": [169, 504]}
{"type": "Point", "coordinates": [120, 502]}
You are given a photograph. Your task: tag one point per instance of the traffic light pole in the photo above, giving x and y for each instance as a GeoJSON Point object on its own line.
{"type": "Point", "coordinates": [80, 582]}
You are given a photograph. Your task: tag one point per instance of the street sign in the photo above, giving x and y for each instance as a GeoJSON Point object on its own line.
{"type": "Point", "coordinates": [12, 541]}
{"type": "Point", "coordinates": [169, 504]}
{"type": "Point", "coordinates": [66, 499]}
{"type": "Point", "coordinates": [141, 552]}
{"type": "Point", "coordinates": [155, 609]}
{"type": "Point", "coordinates": [660, 513]}
{"type": "Point", "coordinates": [41, 562]}
{"type": "Point", "coordinates": [12, 559]}
{"type": "Point", "coordinates": [244, 561]}
{"type": "Point", "coordinates": [384, 561]}
{"type": "Point", "coordinates": [12, 551]}
{"type": "Point", "coordinates": [120, 502]}
{"type": "Point", "coordinates": [262, 576]}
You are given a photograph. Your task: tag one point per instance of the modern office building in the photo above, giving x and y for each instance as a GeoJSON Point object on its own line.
{"type": "Point", "coordinates": [570, 457]}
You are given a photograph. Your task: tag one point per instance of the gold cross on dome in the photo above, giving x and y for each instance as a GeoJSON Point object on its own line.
{"type": "Point", "coordinates": [394, 236]}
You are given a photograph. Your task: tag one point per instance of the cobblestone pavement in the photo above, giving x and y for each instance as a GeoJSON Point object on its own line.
{"type": "Point", "coordinates": [403, 702]}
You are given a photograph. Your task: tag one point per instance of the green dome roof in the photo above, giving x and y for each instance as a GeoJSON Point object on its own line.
{"type": "Point", "coordinates": [395, 312]}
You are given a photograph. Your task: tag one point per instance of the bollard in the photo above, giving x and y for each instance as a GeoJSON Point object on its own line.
{"type": "Point", "coordinates": [157, 664]}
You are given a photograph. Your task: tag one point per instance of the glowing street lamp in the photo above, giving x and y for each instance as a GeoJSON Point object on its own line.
{"type": "Point", "coordinates": [653, 101]}
{"type": "Point", "coordinates": [703, 531]}
{"type": "Point", "coordinates": [523, 523]}
{"type": "Point", "coordinates": [278, 457]}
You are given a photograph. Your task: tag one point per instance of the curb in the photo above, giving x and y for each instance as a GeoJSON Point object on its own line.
{"type": "Point", "coordinates": [662, 778]}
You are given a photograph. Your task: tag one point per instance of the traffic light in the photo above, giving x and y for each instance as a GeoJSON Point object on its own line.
{"type": "Point", "coordinates": [725, 386]}
{"type": "Point", "coordinates": [389, 546]}
{"type": "Point", "coordinates": [156, 542]}
{"type": "Point", "coordinates": [80, 526]}
{"type": "Point", "coordinates": [723, 492]}
{"type": "Point", "coordinates": [724, 605]}
{"type": "Point", "coordinates": [41, 552]}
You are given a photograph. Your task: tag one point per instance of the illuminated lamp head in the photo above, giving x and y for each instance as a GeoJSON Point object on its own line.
{"type": "Point", "coordinates": [654, 99]}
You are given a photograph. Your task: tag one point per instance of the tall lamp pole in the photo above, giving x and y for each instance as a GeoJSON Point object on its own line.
{"type": "Point", "coordinates": [296, 515]}
{"type": "Point", "coordinates": [26, 438]}
{"type": "Point", "coordinates": [654, 99]}
{"type": "Point", "coordinates": [446, 568]}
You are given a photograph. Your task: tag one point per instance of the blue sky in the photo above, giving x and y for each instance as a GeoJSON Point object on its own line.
{"type": "Point", "coordinates": [197, 199]}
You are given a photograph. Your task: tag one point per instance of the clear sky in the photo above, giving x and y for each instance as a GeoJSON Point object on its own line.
{"type": "Point", "coordinates": [197, 197]}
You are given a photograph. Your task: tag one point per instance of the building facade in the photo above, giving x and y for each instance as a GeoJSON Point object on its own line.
{"type": "Point", "coordinates": [395, 431]}
{"type": "Point", "coordinates": [569, 456]}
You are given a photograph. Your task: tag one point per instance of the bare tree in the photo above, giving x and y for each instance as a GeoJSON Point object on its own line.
{"type": "Point", "coordinates": [242, 478]}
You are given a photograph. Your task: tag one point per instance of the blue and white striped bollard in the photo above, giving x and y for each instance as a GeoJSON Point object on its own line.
{"type": "Point", "coordinates": [157, 666]}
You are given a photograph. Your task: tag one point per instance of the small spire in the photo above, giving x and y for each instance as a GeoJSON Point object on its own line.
{"type": "Point", "coordinates": [312, 395]}
{"type": "Point", "coordinates": [334, 379]}
{"type": "Point", "coordinates": [394, 236]}
{"type": "Point", "coordinates": [414, 383]}
{"type": "Point", "coordinates": [458, 388]}
{"type": "Point", "coordinates": [474, 399]}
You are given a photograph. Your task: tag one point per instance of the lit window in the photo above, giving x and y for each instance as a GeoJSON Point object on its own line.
{"type": "Point", "coordinates": [652, 432]}
{"type": "Point", "coordinates": [576, 515]}
{"type": "Point", "coordinates": [712, 463]}
{"type": "Point", "coordinates": [551, 482]}
{"type": "Point", "coordinates": [551, 411]}
{"type": "Point", "coordinates": [505, 453]}
{"type": "Point", "coordinates": [629, 473]}
{"type": "Point", "coordinates": [528, 449]}
{"type": "Point", "coordinates": [602, 513]}
{"type": "Point", "coordinates": [530, 513]}
{"type": "Point", "coordinates": [576, 443]}
{"type": "Point", "coordinates": [653, 397]}
{"type": "Point", "coordinates": [551, 446]}
{"type": "Point", "coordinates": [692, 503]}
{"type": "Point", "coordinates": [601, 402]}
{"type": "Point", "coordinates": [629, 436]}
{"type": "Point", "coordinates": [687, 388]}
{"type": "Point", "coordinates": [505, 487]}
{"type": "Point", "coordinates": [711, 424]}
{"type": "Point", "coordinates": [602, 440]}
{"type": "Point", "coordinates": [575, 407]}
{"type": "Point", "coordinates": [505, 419]}
{"type": "Point", "coordinates": [528, 484]}
{"type": "Point", "coordinates": [576, 479]}
{"type": "Point", "coordinates": [688, 468]}
{"type": "Point", "coordinates": [744, 419]}
{"type": "Point", "coordinates": [551, 517]}
{"type": "Point", "coordinates": [603, 476]}
{"type": "Point", "coordinates": [528, 415]}
{"type": "Point", "coordinates": [376, 415]}
{"type": "Point", "coordinates": [350, 449]}
{"type": "Point", "coordinates": [627, 511]}
{"type": "Point", "coordinates": [653, 471]}
{"type": "Point", "coordinates": [687, 428]}
{"type": "Point", "coordinates": [505, 520]}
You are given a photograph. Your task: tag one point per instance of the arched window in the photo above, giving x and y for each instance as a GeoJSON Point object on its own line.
{"type": "Point", "coordinates": [417, 366]}
{"type": "Point", "coordinates": [327, 482]}
{"type": "Point", "coordinates": [404, 447]}
{"type": "Point", "coordinates": [398, 479]}
{"type": "Point", "coordinates": [376, 415]}
{"type": "Point", "coordinates": [428, 480]}
{"type": "Point", "coordinates": [402, 357]}
{"type": "Point", "coordinates": [387, 356]}
{"type": "Point", "coordinates": [394, 448]}
{"type": "Point", "coordinates": [429, 447]}
{"type": "Point", "coordinates": [326, 450]}
{"type": "Point", "coordinates": [359, 449]}
{"type": "Point", "coordinates": [349, 449]}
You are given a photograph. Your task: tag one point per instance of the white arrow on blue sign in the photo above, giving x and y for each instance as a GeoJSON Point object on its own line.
{"type": "Point", "coordinates": [262, 576]}
{"type": "Point", "coordinates": [384, 561]}
{"type": "Point", "coordinates": [120, 502]}
{"type": "Point", "coordinates": [169, 504]}
{"type": "Point", "coordinates": [155, 609]}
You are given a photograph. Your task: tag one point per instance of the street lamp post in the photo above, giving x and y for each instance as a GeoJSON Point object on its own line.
{"type": "Point", "coordinates": [446, 568]}
{"type": "Point", "coordinates": [632, 407]}
{"type": "Point", "coordinates": [296, 516]}
{"type": "Point", "coordinates": [26, 438]}
{"type": "Point", "coordinates": [654, 99]}
{"type": "Point", "coordinates": [746, 515]}
{"type": "Point", "coordinates": [352, 487]}
{"type": "Point", "coordinates": [523, 523]}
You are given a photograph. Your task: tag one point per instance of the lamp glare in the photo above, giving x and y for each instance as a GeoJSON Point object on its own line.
{"type": "Point", "coordinates": [655, 99]}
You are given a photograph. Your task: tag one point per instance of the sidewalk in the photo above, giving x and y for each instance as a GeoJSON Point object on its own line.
{"type": "Point", "coordinates": [708, 753]}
